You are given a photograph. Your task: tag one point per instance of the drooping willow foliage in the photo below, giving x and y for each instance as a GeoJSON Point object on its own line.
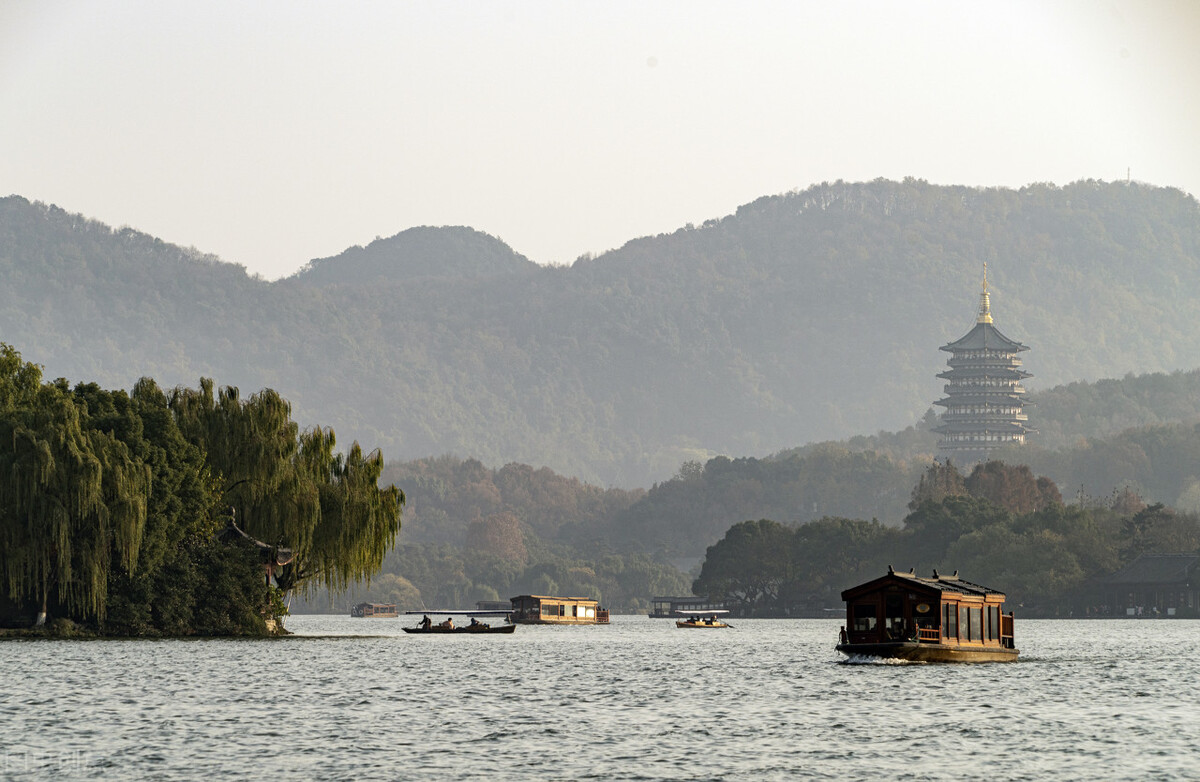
{"type": "Point", "coordinates": [71, 498]}
{"type": "Point", "coordinates": [107, 496]}
{"type": "Point", "coordinates": [290, 488]}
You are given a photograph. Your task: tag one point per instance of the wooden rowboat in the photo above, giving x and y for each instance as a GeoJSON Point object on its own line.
{"type": "Point", "coordinates": [468, 629]}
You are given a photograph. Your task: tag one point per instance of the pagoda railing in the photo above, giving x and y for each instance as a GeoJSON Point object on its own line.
{"type": "Point", "coordinates": [984, 417]}
{"type": "Point", "coordinates": [1002, 361]}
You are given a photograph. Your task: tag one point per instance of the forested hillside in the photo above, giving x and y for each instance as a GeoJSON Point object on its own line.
{"type": "Point", "coordinates": [803, 317]}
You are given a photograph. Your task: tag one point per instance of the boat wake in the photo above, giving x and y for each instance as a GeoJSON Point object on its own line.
{"type": "Point", "coordinates": [866, 659]}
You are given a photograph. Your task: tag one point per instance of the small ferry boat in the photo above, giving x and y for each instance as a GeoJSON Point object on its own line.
{"type": "Point", "coordinates": [939, 619]}
{"type": "Point", "coordinates": [705, 619]}
{"type": "Point", "coordinates": [375, 611]}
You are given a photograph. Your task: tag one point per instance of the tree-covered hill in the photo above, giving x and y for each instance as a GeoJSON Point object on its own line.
{"type": "Point", "coordinates": [814, 315]}
{"type": "Point", "coordinates": [418, 253]}
{"type": "Point", "coordinates": [1131, 434]}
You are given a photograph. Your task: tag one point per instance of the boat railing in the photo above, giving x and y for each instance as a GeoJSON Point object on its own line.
{"type": "Point", "coordinates": [928, 635]}
{"type": "Point", "coordinates": [601, 616]}
{"type": "Point", "coordinates": [1006, 631]}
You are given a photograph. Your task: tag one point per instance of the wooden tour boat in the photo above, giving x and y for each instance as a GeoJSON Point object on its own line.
{"type": "Point", "coordinates": [940, 619]}
{"type": "Point", "coordinates": [447, 626]}
{"type": "Point", "coordinates": [548, 610]}
{"type": "Point", "coordinates": [706, 619]}
{"type": "Point", "coordinates": [676, 607]}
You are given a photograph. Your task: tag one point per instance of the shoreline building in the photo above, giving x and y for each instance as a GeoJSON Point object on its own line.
{"type": "Point", "coordinates": [984, 397]}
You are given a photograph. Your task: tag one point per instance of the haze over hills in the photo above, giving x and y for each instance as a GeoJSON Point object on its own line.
{"type": "Point", "coordinates": [808, 316]}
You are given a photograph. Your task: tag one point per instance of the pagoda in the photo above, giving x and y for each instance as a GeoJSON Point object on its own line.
{"type": "Point", "coordinates": [984, 397]}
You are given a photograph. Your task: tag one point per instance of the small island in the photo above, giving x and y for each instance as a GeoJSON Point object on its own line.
{"type": "Point", "coordinates": [174, 513]}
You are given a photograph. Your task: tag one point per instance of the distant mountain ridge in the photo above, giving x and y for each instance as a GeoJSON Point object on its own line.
{"type": "Point", "coordinates": [814, 315]}
{"type": "Point", "coordinates": [452, 252]}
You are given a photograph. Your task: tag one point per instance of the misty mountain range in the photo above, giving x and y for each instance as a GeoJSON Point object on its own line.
{"type": "Point", "coordinates": [807, 316]}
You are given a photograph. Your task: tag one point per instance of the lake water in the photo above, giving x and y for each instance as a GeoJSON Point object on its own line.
{"type": "Point", "coordinates": [639, 699]}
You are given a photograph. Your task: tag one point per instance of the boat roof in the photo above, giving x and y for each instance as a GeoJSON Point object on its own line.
{"type": "Point", "coordinates": [556, 597]}
{"type": "Point", "coordinates": [936, 582]}
{"type": "Point", "coordinates": [709, 612]}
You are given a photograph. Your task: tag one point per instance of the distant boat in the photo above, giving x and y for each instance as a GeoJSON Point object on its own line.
{"type": "Point", "coordinates": [375, 611]}
{"type": "Point", "coordinates": [705, 619]}
{"type": "Point", "coordinates": [674, 607]}
{"type": "Point", "coordinates": [548, 610]}
{"type": "Point", "coordinates": [940, 619]}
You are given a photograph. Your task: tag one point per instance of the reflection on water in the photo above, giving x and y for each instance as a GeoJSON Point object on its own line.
{"type": "Point", "coordinates": [358, 699]}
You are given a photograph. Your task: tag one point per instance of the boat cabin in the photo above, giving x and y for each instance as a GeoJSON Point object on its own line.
{"type": "Point", "coordinates": [935, 618]}
{"type": "Point", "coordinates": [375, 610]}
{"type": "Point", "coordinates": [548, 610]}
{"type": "Point", "coordinates": [675, 607]}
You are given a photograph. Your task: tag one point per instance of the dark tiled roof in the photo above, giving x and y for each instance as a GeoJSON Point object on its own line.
{"type": "Point", "coordinates": [1157, 569]}
{"type": "Point", "coordinates": [939, 583]}
{"type": "Point", "coordinates": [951, 584]}
{"type": "Point", "coordinates": [985, 336]}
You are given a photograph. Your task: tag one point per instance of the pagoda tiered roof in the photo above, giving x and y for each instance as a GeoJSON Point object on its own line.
{"type": "Point", "coordinates": [1000, 373]}
{"type": "Point", "coordinates": [993, 426]}
{"type": "Point", "coordinates": [985, 336]}
{"type": "Point", "coordinates": [991, 396]}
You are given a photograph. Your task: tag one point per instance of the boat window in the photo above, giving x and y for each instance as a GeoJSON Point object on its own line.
{"type": "Point", "coordinates": [893, 615]}
{"type": "Point", "coordinates": [976, 624]}
{"type": "Point", "coordinates": [549, 610]}
{"type": "Point", "coordinates": [865, 617]}
{"type": "Point", "coordinates": [993, 623]}
{"type": "Point", "coordinates": [950, 620]}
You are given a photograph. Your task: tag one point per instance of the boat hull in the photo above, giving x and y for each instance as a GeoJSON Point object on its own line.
{"type": "Point", "coordinates": [931, 653]}
{"type": "Point", "coordinates": [701, 624]}
{"type": "Point", "coordinates": [468, 630]}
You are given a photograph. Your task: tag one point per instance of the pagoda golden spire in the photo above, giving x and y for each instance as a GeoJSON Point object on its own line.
{"type": "Point", "coordinates": [985, 302]}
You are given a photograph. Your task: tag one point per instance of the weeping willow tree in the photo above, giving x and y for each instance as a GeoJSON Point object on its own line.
{"type": "Point", "coordinates": [291, 488]}
{"type": "Point", "coordinates": [71, 498]}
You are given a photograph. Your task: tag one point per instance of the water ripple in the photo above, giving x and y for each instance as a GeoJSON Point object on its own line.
{"type": "Point", "coordinates": [635, 700]}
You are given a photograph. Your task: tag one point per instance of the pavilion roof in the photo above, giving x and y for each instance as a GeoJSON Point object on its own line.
{"type": "Point", "coordinates": [1157, 569]}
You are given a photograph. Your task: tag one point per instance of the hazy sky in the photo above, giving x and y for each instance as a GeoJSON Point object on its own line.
{"type": "Point", "coordinates": [270, 133]}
